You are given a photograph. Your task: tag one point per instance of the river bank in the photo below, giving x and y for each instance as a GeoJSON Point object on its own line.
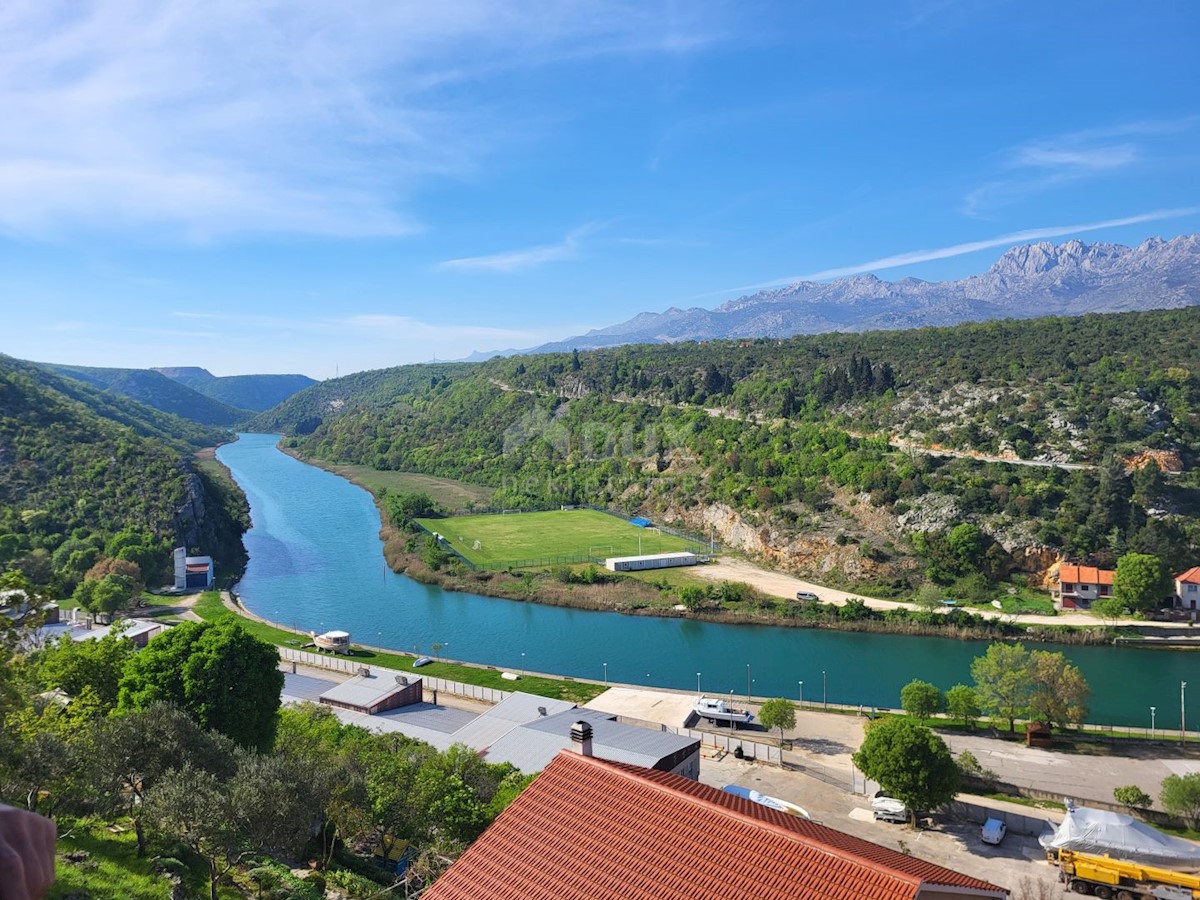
{"type": "Point", "coordinates": [763, 602]}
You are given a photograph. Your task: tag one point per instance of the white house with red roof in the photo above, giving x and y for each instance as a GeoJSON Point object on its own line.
{"type": "Point", "coordinates": [1187, 590]}
{"type": "Point", "coordinates": [1078, 586]}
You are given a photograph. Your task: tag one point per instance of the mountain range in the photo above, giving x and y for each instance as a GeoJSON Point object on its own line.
{"type": "Point", "coordinates": [191, 392]}
{"type": "Point", "coordinates": [1031, 280]}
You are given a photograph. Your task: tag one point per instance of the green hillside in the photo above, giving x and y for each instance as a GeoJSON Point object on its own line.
{"type": "Point", "coordinates": [253, 392]}
{"type": "Point", "coordinates": [795, 437]}
{"type": "Point", "coordinates": [87, 472]}
{"type": "Point", "coordinates": [157, 390]}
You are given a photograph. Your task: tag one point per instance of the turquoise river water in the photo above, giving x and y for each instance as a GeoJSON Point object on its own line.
{"type": "Point", "coordinates": [316, 563]}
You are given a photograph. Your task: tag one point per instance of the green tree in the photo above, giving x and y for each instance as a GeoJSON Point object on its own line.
{"type": "Point", "coordinates": [1108, 609]}
{"type": "Point", "coordinates": [225, 678]}
{"type": "Point", "coordinates": [920, 699]}
{"type": "Point", "coordinates": [1180, 796]}
{"type": "Point", "coordinates": [1141, 581]}
{"type": "Point", "coordinates": [967, 543]}
{"type": "Point", "coordinates": [777, 713]}
{"type": "Point", "coordinates": [128, 754]}
{"type": "Point", "coordinates": [404, 506]}
{"type": "Point", "coordinates": [1132, 797]}
{"type": "Point", "coordinates": [1059, 694]}
{"type": "Point", "coordinates": [962, 702]}
{"type": "Point", "coordinates": [929, 596]}
{"type": "Point", "coordinates": [75, 666]}
{"type": "Point", "coordinates": [1003, 681]}
{"type": "Point", "coordinates": [910, 762]}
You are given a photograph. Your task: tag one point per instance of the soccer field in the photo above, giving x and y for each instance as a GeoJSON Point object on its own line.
{"type": "Point", "coordinates": [526, 538]}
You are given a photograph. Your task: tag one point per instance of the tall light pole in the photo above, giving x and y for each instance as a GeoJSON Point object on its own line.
{"type": "Point", "coordinates": [747, 682]}
{"type": "Point", "coordinates": [697, 684]}
{"type": "Point", "coordinates": [1182, 713]}
{"type": "Point", "coordinates": [522, 662]}
{"type": "Point", "coordinates": [824, 692]}
{"type": "Point", "coordinates": [606, 674]}
{"type": "Point", "coordinates": [1152, 722]}
{"type": "Point", "coordinates": [731, 710]}
{"type": "Point", "coordinates": [802, 695]}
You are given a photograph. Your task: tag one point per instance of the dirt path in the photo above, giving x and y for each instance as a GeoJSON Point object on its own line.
{"type": "Point", "coordinates": [777, 584]}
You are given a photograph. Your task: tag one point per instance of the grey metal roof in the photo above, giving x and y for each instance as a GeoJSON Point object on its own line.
{"type": "Point", "coordinates": [382, 724]}
{"type": "Point", "coordinates": [531, 746]}
{"type": "Point", "coordinates": [304, 687]}
{"type": "Point", "coordinates": [425, 715]}
{"type": "Point", "coordinates": [366, 690]}
{"type": "Point", "coordinates": [513, 710]}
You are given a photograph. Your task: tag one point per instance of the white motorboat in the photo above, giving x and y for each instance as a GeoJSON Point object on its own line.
{"type": "Point", "coordinates": [718, 712]}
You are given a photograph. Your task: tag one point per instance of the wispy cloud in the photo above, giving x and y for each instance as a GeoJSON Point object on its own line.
{"type": "Point", "coordinates": [206, 119]}
{"type": "Point", "coordinates": [1094, 159]}
{"type": "Point", "coordinates": [1045, 164]}
{"type": "Point", "coordinates": [919, 256]}
{"type": "Point", "coordinates": [510, 261]}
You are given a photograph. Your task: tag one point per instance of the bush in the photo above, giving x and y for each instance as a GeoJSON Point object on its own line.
{"type": "Point", "coordinates": [1133, 797]}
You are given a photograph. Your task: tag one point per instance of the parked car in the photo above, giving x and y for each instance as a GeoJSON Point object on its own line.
{"type": "Point", "coordinates": [807, 597]}
{"type": "Point", "coordinates": [993, 831]}
{"type": "Point", "coordinates": [888, 809]}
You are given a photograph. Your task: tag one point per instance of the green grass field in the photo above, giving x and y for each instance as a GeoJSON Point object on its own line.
{"type": "Point", "coordinates": [527, 537]}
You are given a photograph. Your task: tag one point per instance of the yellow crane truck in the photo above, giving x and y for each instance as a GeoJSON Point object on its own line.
{"type": "Point", "coordinates": [1115, 879]}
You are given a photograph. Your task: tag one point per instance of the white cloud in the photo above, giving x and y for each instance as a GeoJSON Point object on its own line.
{"type": "Point", "coordinates": [300, 116]}
{"type": "Point", "coordinates": [520, 260]}
{"type": "Point", "coordinates": [1045, 164]}
{"type": "Point", "coordinates": [919, 256]}
{"type": "Point", "coordinates": [1094, 159]}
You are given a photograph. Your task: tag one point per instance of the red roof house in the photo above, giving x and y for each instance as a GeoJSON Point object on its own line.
{"type": "Point", "coordinates": [1078, 586]}
{"type": "Point", "coordinates": [588, 829]}
{"type": "Point", "coordinates": [1187, 589]}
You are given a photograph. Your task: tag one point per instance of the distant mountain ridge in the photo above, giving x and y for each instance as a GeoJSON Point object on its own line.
{"type": "Point", "coordinates": [156, 390]}
{"type": "Point", "coordinates": [1028, 281]}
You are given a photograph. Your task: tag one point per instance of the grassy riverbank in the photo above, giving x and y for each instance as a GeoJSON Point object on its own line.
{"type": "Point", "coordinates": [665, 592]}
{"type": "Point", "coordinates": [210, 608]}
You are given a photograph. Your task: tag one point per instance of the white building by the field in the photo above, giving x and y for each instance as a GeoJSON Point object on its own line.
{"type": "Point", "coordinates": [650, 561]}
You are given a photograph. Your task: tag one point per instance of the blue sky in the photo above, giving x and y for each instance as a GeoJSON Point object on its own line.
{"type": "Point", "coordinates": [316, 187]}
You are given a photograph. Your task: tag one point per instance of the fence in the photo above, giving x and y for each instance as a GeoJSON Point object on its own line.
{"type": "Point", "coordinates": [353, 667]}
{"type": "Point", "coordinates": [759, 751]}
{"type": "Point", "coordinates": [1018, 823]}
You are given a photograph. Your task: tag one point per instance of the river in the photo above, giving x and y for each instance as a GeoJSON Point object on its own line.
{"type": "Point", "coordinates": [316, 563]}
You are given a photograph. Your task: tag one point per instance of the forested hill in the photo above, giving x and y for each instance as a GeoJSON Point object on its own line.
{"type": "Point", "coordinates": [86, 474]}
{"type": "Point", "coordinates": [790, 438]}
{"type": "Point", "coordinates": [157, 390]}
{"type": "Point", "coordinates": [254, 392]}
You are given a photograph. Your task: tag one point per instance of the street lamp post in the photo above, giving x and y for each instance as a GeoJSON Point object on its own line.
{"type": "Point", "coordinates": [1182, 713]}
{"type": "Point", "coordinates": [824, 692]}
{"type": "Point", "coordinates": [802, 695]}
{"type": "Point", "coordinates": [1152, 709]}
{"type": "Point", "coordinates": [606, 674]}
{"type": "Point", "coordinates": [747, 682]}
{"type": "Point", "coordinates": [522, 662]}
{"type": "Point", "coordinates": [731, 710]}
{"type": "Point", "coordinates": [697, 684]}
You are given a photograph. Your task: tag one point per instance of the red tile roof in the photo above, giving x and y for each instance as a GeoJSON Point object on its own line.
{"type": "Point", "coordinates": [1191, 576]}
{"type": "Point", "coordinates": [589, 828]}
{"type": "Point", "coordinates": [1084, 575]}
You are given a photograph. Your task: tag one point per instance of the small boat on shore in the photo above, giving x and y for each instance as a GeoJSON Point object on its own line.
{"type": "Point", "coordinates": [332, 641]}
{"type": "Point", "coordinates": [717, 711]}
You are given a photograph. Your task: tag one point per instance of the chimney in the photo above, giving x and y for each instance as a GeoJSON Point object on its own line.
{"type": "Point", "coordinates": [581, 736]}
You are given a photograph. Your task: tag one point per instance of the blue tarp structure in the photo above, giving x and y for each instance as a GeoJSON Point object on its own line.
{"type": "Point", "coordinates": [640, 522]}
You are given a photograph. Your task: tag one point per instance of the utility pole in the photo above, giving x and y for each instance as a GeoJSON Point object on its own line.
{"type": "Point", "coordinates": [1182, 713]}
